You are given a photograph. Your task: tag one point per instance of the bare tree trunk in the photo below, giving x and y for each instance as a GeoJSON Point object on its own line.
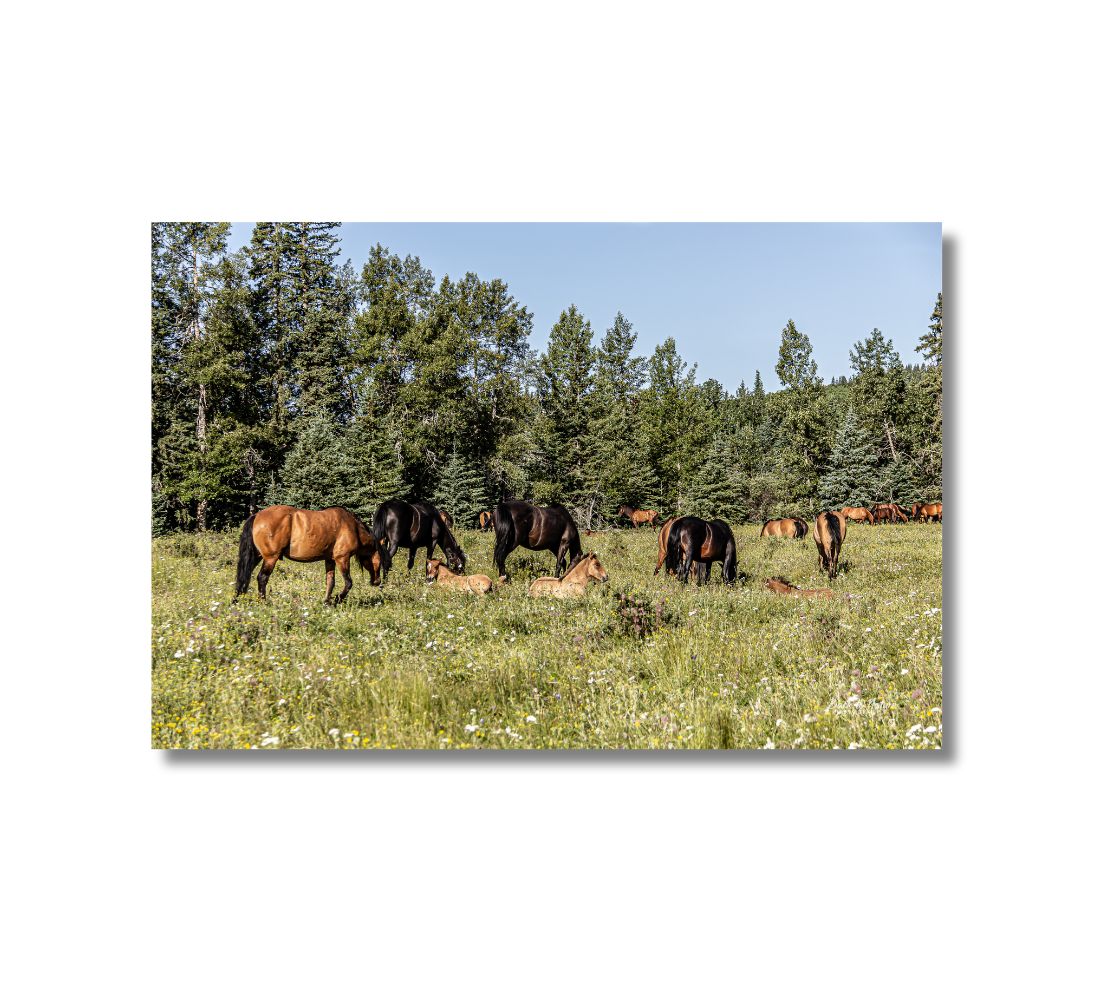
{"type": "Point", "coordinates": [890, 440]}
{"type": "Point", "coordinates": [200, 418]}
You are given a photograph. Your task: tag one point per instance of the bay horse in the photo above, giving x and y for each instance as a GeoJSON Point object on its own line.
{"type": "Point", "coordinates": [333, 535]}
{"type": "Point", "coordinates": [413, 526]}
{"type": "Point", "coordinates": [828, 533]}
{"type": "Point", "coordinates": [584, 570]}
{"type": "Point", "coordinates": [536, 528]}
{"type": "Point", "coordinates": [663, 544]}
{"type": "Point", "coordinates": [784, 527]}
{"type": "Point", "coordinates": [439, 574]}
{"type": "Point", "coordinates": [926, 511]}
{"type": "Point", "coordinates": [693, 540]}
{"type": "Point", "coordinates": [889, 512]}
{"type": "Point", "coordinates": [638, 517]}
{"type": "Point", "coordinates": [486, 521]}
{"type": "Point", "coordinates": [784, 587]}
{"type": "Point", "coordinates": [858, 514]}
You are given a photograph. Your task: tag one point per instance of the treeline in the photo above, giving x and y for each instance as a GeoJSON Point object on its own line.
{"type": "Point", "coordinates": [280, 375]}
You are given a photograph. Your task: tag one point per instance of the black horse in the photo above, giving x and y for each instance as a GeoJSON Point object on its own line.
{"type": "Point", "coordinates": [519, 523]}
{"type": "Point", "coordinates": [415, 526]}
{"type": "Point", "coordinates": [693, 540]}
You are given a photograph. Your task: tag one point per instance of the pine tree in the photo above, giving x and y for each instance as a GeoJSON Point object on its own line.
{"type": "Point", "coordinates": [851, 479]}
{"type": "Point", "coordinates": [372, 466]}
{"type": "Point", "coordinates": [461, 491]}
{"type": "Point", "coordinates": [314, 475]}
{"type": "Point", "coordinates": [719, 489]}
{"type": "Point", "coordinates": [796, 368]}
{"type": "Point", "coordinates": [896, 482]}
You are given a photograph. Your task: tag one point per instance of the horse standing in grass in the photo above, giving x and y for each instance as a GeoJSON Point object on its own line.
{"type": "Point", "coordinates": [926, 511]}
{"type": "Point", "coordinates": [537, 528]}
{"type": "Point", "coordinates": [663, 544]}
{"type": "Point", "coordinates": [414, 526]}
{"type": "Point", "coordinates": [574, 583]}
{"type": "Point", "coordinates": [858, 514]}
{"type": "Point", "coordinates": [889, 512]}
{"type": "Point", "coordinates": [486, 521]}
{"type": "Point", "coordinates": [334, 536]}
{"type": "Point", "coordinates": [784, 527]}
{"type": "Point", "coordinates": [828, 533]}
{"type": "Point", "coordinates": [694, 541]}
{"type": "Point", "coordinates": [638, 517]}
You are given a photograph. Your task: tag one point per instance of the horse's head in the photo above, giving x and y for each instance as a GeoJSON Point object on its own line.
{"type": "Point", "coordinates": [433, 570]}
{"type": "Point", "coordinates": [778, 585]}
{"type": "Point", "coordinates": [370, 561]}
{"type": "Point", "coordinates": [595, 569]}
{"type": "Point", "coordinates": [456, 560]}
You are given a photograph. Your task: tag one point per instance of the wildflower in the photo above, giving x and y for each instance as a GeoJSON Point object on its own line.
{"type": "Point", "coordinates": [270, 741]}
{"type": "Point", "coordinates": [853, 746]}
{"type": "Point", "coordinates": [471, 728]}
{"type": "Point", "coordinates": [530, 718]}
{"type": "Point", "coordinates": [768, 745]}
{"type": "Point", "coordinates": [332, 733]}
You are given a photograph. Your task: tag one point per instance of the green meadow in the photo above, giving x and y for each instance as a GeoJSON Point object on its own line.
{"type": "Point", "coordinates": [641, 663]}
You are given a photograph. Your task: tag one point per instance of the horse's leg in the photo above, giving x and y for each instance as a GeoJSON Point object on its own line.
{"type": "Point", "coordinates": [264, 574]}
{"type": "Point", "coordinates": [344, 565]}
{"type": "Point", "coordinates": [411, 558]}
{"type": "Point", "coordinates": [330, 581]}
{"type": "Point", "coordinates": [561, 558]}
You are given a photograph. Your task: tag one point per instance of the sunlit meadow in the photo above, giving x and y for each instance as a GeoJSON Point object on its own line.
{"type": "Point", "coordinates": [665, 667]}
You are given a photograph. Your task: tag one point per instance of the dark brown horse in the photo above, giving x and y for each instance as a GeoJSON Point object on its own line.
{"type": "Point", "coordinates": [486, 521]}
{"type": "Point", "coordinates": [413, 526]}
{"type": "Point", "coordinates": [333, 535]}
{"type": "Point", "coordinates": [784, 527]}
{"type": "Point", "coordinates": [828, 533]}
{"type": "Point", "coordinates": [889, 512]}
{"type": "Point", "coordinates": [638, 517]}
{"type": "Point", "coordinates": [537, 528]}
{"type": "Point", "coordinates": [859, 514]}
{"type": "Point", "coordinates": [693, 540]}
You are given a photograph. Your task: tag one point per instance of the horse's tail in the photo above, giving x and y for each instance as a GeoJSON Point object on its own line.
{"type": "Point", "coordinates": [377, 529]}
{"type": "Point", "coordinates": [504, 543]}
{"type": "Point", "coordinates": [730, 560]}
{"type": "Point", "coordinates": [247, 555]}
{"type": "Point", "coordinates": [763, 531]}
{"type": "Point", "coordinates": [673, 548]}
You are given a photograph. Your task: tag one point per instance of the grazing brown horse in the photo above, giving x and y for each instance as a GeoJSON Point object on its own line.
{"type": "Point", "coordinates": [442, 576]}
{"type": "Point", "coordinates": [413, 526]}
{"type": "Point", "coordinates": [574, 583]}
{"type": "Point", "coordinates": [663, 543]}
{"type": "Point", "coordinates": [693, 540]}
{"type": "Point", "coordinates": [447, 519]}
{"type": "Point", "coordinates": [859, 514]}
{"type": "Point", "coordinates": [889, 512]}
{"type": "Point", "coordinates": [536, 528]}
{"type": "Point", "coordinates": [784, 527]}
{"type": "Point", "coordinates": [828, 533]}
{"type": "Point", "coordinates": [638, 517]}
{"type": "Point", "coordinates": [781, 586]}
{"type": "Point", "coordinates": [486, 521]}
{"type": "Point", "coordinates": [926, 511]}
{"type": "Point", "coordinates": [333, 535]}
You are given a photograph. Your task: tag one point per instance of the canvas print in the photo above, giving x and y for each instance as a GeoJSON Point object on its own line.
{"type": "Point", "coordinates": [542, 486]}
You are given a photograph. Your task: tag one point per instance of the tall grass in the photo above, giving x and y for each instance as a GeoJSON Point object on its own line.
{"type": "Point", "coordinates": [639, 663]}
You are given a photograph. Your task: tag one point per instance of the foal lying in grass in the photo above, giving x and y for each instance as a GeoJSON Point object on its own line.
{"type": "Point", "coordinates": [574, 582]}
{"type": "Point", "coordinates": [780, 586]}
{"type": "Point", "coordinates": [442, 576]}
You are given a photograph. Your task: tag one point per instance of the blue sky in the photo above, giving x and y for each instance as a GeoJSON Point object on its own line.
{"type": "Point", "coordinates": [723, 290]}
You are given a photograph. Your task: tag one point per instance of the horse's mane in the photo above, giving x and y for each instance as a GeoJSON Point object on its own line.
{"type": "Point", "coordinates": [575, 562]}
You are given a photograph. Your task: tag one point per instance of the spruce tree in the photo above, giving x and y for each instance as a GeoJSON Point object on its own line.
{"type": "Point", "coordinates": [315, 473]}
{"type": "Point", "coordinates": [851, 479]}
{"type": "Point", "coordinates": [896, 482]}
{"type": "Point", "coordinates": [460, 491]}
{"type": "Point", "coordinates": [719, 488]}
{"type": "Point", "coordinates": [373, 471]}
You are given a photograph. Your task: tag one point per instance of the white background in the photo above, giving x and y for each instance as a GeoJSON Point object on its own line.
{"type": "Point", "coordinates": [987, 870]}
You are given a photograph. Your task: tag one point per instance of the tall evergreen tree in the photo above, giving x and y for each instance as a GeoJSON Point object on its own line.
{"type": "Point", "coordinates": [879, 388]}
{"type": "Point", "coordinates": [315, 472]}
{"type": "Point", "coordinates": [796, 368]}
{"type": "Point", "coordinates": [851, 479]}
{"type": "Point", "coordinates": [461, 491]}
{"type": "Point", "coordinates": [720, 488]}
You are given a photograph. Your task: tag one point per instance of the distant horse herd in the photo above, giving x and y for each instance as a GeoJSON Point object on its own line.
{"type": "Point", "coordinates": [686, 546]}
